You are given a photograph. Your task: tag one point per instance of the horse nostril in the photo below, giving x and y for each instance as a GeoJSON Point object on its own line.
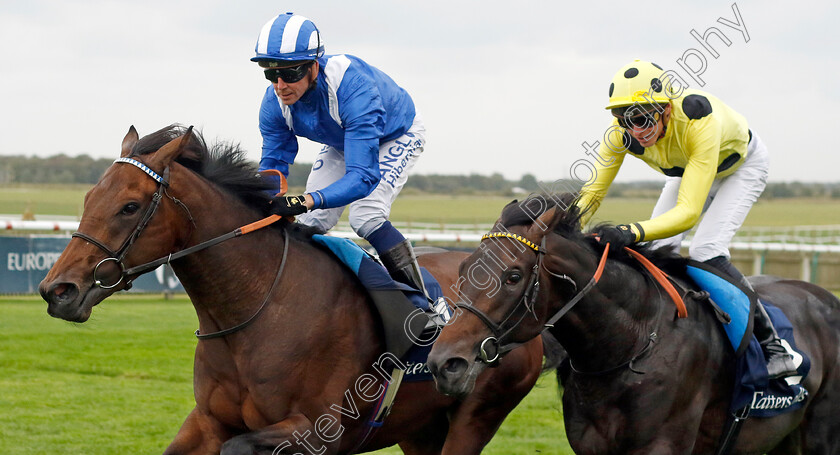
{"type": "Point", "coordinates": [59, 289]}
{"type": "Point", "coordinates": [60, 293]}
{"type": "Point", "coordinates": [455, 366]}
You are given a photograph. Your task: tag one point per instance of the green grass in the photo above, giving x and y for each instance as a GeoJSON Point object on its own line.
{"type": "Point", "coordinates": [122, 382]}
{"type": "Point", "coordinates": [66, 200]}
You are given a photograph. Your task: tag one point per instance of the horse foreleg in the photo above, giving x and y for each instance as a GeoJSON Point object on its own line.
{"type": "Point", "coordinates": [294, 434]}
{"type": "Point", "coordinates": [200, 434]}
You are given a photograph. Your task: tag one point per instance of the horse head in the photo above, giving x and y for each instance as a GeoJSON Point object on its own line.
{"type": "Point", "coordinates": [126, 220]}
{"type": "Point", "coordinates": [501, 289]}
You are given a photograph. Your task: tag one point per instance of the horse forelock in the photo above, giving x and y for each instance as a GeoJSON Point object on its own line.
{"type": "Point", "coordinates": [223, 164]}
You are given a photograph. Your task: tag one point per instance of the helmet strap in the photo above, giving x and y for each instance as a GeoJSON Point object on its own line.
{"type": "Point", "coordinates": [314, 71]}
{"type": "Point", "coordinates": [666, 116]}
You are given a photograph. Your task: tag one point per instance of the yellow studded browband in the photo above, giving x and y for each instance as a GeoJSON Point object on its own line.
{"type": "Point", "coordinates": [519, 238]}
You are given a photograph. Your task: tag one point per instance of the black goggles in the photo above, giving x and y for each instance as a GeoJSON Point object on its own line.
{"type": "Point", "coordinates": [288, 75]}
{"type": "Point", "coordinates": [639, 122]}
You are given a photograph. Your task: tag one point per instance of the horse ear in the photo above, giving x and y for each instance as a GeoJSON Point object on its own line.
{"type": "Point", "coordinates": [172, 150]}
{"type": "Point", "coordinates": [128, 142]}
{"type": "Point", "coordinates": [543, 224]}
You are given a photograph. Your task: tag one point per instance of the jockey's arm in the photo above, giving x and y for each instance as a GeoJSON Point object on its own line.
{"type": "Point", "coordinates": [703, 150]}
{"type": "Point", "coordinates": [363, 117]}
{"type": "Point", "coordinates": [361, 176]}
{"type": "Point", "coordinates": [280, 146]}
{"type": "Point", "coordinates": [606, 168]}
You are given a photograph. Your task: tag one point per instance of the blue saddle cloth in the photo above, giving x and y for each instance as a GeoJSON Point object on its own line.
{"type": "Point", "coordinates": [767, 398]}
{"type": "Point", "coordinates": [372, 275]}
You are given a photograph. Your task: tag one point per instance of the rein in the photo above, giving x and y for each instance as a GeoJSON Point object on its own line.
{"type": "Point", "coordinates": [119, 255]}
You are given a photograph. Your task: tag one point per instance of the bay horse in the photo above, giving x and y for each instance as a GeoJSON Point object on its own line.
{"type": "Point", "coordinates": [639, 380]}
{"type": "Point", "coordinates": [302, 376]}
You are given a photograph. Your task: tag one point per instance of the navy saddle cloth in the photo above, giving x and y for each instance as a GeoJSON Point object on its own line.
{"type": "Point", "coordinates": [766, 398]}
{"type": "Point", "coordinates": [376, 279]}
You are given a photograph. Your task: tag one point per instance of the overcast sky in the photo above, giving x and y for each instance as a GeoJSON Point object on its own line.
{"type": "Point", "coordinates": [507, 87]}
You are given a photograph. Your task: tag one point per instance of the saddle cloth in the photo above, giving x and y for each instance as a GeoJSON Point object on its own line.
{"type": "Point", "coordinates": [765, 398]}
{"type": "Point", "coordinates": [389, 298]}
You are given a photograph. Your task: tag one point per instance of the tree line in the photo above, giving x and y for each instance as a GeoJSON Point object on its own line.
{"type": "Point", "coordinates": [84, 169]}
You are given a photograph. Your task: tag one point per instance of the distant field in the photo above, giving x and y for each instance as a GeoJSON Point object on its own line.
{"type": "Point", "coordinates": [122, 383]}
{"type": "Point", "coordinates": [463, 209]}
{"type": "Point", "coordinates": [65, 200]}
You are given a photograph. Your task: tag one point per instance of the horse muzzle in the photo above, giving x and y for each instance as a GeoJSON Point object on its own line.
{"type": "Point", "coordinates": [454, 376]}
{"type": "Point", "coordinates": [66, 301]}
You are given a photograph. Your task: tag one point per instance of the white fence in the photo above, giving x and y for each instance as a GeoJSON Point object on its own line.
{"type": "Point", "coordinates": [751, 244]}
{"type": "Point", "coordinates": [804, 239]}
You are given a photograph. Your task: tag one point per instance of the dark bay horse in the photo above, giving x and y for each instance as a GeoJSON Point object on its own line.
{"type": "Point", "coordinates": [628, 391]}
{"type": "Point", "coordinates": [302, 377]}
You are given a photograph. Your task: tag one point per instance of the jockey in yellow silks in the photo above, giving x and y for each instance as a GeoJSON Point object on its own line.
{"type": "Point", "coordinates": [715, 168]}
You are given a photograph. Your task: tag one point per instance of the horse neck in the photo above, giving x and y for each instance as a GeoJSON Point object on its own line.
{"type": "Point", "coordinates": [236, 270]}
{"type": "Point", "coordinates": [228, 282]}
{"type": "Point", "coordinates": [613, 320]}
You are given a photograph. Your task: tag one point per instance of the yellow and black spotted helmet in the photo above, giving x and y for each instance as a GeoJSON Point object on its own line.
{"type": "Point", "coordinates": [639, 82]}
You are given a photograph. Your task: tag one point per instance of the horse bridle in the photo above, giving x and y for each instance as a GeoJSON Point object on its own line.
{"type": "Point", "coordinates": [529, 295]}
{"type": "Point", "coordinates": [118, 255]}
{"type": "Point", "coordinates": [527, 300]}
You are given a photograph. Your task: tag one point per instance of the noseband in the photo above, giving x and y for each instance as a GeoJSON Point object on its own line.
{"type": "Point", "coordinates": [527, 300]}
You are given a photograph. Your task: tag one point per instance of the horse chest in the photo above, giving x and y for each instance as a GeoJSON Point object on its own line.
{"type": "Point", "coordinates": [611, 417]}
{"type": "Point", "coordinates": [232, 405]}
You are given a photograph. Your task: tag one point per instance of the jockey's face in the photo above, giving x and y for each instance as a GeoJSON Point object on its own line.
{"type": "Point", "coordinates": [290, 92]}
{"type": "Point", "coordinates": [647, 133]}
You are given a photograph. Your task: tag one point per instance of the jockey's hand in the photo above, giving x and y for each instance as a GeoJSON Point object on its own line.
{"type": "Point", "coordinates": [617, 236]}
{"type": "Point", "coordinates": [288, 205]}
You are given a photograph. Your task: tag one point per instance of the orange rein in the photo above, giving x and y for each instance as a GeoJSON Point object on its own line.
{"type": "Point", "coordinates": [259, 224]}
{"type": "Point", "coordinates": [661, 278]}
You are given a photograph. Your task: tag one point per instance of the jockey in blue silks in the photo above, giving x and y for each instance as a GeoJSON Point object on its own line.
{"type": "Point", "coordinates": [371, 133]}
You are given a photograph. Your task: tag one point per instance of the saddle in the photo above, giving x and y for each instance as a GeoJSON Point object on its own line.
{"type": "Point", "coordinates": [405, 313]}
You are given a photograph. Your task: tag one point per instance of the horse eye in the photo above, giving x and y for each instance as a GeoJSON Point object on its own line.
{"type": "Point", "coordinates": [513, 278]}
{"type": "Point", "coordinates": [130, 209]}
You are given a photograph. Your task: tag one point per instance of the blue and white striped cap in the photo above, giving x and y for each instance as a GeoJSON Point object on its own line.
{"type": "Point", "coordinates": [289, 37]}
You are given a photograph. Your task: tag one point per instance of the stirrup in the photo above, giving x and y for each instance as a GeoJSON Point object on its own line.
{"type": "Point", "coordinates": [440, 314]}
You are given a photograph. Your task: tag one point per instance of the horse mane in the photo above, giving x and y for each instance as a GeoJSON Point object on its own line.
{"type": "Point", "coordinates": [223, 164]}
{"type": "Point", "coordinates": [567, 224]}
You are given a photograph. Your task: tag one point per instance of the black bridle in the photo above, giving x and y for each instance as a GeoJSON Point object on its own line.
{"type": "Point", "coordinates": [118, 255]}
{"type": "Point", "coordinates": [529, 295]}
{"type": "Point", "coordinates": [527, 300]}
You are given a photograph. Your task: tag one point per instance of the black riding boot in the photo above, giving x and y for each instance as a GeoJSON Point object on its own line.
{"type": "Point", "coordinates": [779, 361]}
{"type": "Point", "coordinates": [403, 267]}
